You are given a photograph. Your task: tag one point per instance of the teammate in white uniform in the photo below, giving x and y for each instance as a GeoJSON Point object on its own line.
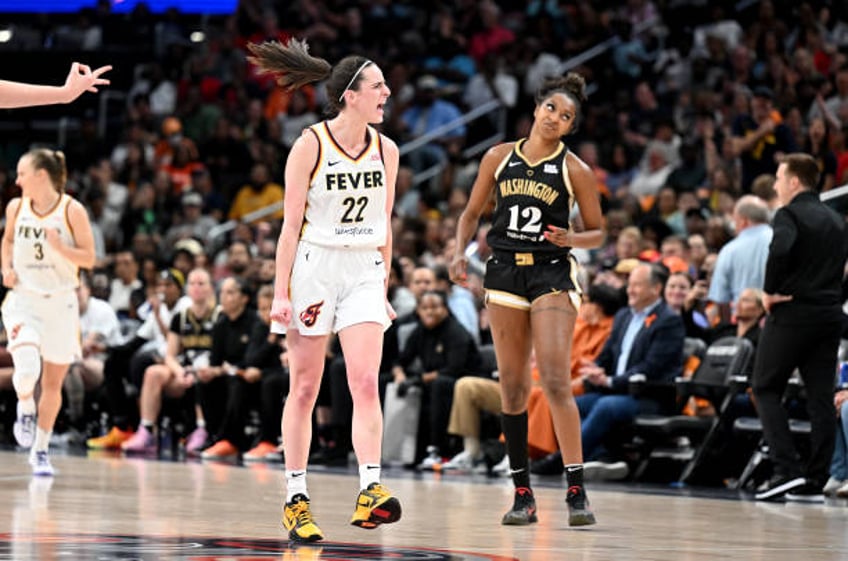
{"type": "Point", "coordinates": [47, 239]}
{"type": "Point", "coordinates": [333, 260]}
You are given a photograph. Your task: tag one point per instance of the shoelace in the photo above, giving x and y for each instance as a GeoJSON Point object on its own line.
{"type": "Point", "coordinates": [302, 514]}
{"type": "Point", "coordinates": [41, 458]}
{"type": "Point", "coordinates": [377, 491]}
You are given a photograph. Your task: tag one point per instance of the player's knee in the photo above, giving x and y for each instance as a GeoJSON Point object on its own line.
{"type": "Point", "coordinates": [27, 368]}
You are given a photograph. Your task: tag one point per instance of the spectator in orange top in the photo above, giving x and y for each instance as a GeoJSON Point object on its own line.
{"type": "Point", "coordinates": [259, 193]}
{"type": "Point", "coordinates": [172, 137]}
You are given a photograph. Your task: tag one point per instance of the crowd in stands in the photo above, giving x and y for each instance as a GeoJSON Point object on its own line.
{"type": "Point", "coordinates": [683, 128]}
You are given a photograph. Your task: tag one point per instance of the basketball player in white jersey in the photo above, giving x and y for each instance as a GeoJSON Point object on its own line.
{"type": "Point", "coordinates": [333, 260]}
{"type": "Point", "coordinates": [81, 78]}
{"type": "Point", "coordinates": [47, 239]}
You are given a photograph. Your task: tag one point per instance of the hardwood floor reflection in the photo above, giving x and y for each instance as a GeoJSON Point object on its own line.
{"type": "Point", "coordinates": [94, 497]}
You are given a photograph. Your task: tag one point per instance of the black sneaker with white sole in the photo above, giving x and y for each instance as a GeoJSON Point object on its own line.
{"type": "Point", "coordinates": [778, 486]}
{"type": "Point", "coordinates": [579, 513]}
{"type": "Point", "coordinates": [807, 493]}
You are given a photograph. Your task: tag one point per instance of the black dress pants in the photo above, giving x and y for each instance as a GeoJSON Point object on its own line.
{"type": "Point", "coordinates": [812, 349]}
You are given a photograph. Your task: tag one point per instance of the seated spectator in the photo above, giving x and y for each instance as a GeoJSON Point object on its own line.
{"type": "Point", "coordinates": [266, 352]}
{"type": "Point", "coordinates": [125, 282]}
{"type": "Point", "coordinates": [99, 330]}
{"type": "Point", "coordinates": [127, 362]}
{"type": "Point", "coordinates": [234, 262]}
{"type": "Point", "coordinates": [401, 298]}
{"type": "Point", "coordinates": [186, 361]}
{"type": "Point", "coordinates": [684, 297]}
{"type": "Point", "coordinates": [460, 302]}
{"type": "Point", "coordinates": [647, 338]}
{"type": "Point", "coordinates": [224, 386]}
{"type": "Point", "coordinates": [438, 352]}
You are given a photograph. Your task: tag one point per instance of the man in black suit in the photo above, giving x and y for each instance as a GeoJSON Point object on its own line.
{"type": "Point", "coordinates": [803, 286]}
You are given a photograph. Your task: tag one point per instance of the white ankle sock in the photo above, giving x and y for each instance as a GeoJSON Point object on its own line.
{"type": "Point", "coordinates": [295, 484]}
{"type": "Point", "coordinates": [368, 474]}
{"type": "Point", "coordinates": [42, 440]}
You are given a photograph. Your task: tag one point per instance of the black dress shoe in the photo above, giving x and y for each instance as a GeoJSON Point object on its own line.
{"type": "Point", "coordinates": [549, 465]}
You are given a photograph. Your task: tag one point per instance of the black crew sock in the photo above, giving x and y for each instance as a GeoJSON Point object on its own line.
{"type": "Point", "coordinates": [515, 432]}
{"type": "Point", "coordinates": [574, 475]}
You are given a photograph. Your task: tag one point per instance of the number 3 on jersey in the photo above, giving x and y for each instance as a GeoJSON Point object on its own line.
{"type": "Point", "coordinates": [531, 217]}
{"type": "Point", "coordinates": [354, 208]}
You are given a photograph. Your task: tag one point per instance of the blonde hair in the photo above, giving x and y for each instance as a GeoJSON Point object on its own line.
{"type": "Point", "coordinates": [53, 163]}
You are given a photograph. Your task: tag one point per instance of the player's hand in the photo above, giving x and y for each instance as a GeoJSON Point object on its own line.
{"type": "Point", "coordinates": [10, 278]}
{"type": "Point", "coordinates": [458, 270]}
{"type": "Point", "coordinates": [82, 79]}
{"type": "Point", "coordinates": [281, 311]}
{"type": "Point", "coordinates": [557, 236]}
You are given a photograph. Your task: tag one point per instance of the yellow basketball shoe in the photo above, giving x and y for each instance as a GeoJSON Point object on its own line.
{"type": "Point", "coordinates": [374, 506]}
{"type": "Point", "coordinates": [297, 519]}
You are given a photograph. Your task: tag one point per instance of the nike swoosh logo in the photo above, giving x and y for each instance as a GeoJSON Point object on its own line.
{"type": "Point", "coordinates": [378, 262]}
{"type": "Point", "coordinates": [512, 164]}
{"type": "Point", "coordinates": [373, 467]}
{"type": "Point", "coordinates": [333, 163]}
{"type": "Point", "coordinates": [298, 474]}
{"type": "Point", "coordinates": [514, 471]}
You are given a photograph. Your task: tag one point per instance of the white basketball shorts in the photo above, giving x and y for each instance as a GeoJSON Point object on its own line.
{"type": "Point", "coordinates": [51, 323]}
{"type": "Point", "coordinates": [334, 288]}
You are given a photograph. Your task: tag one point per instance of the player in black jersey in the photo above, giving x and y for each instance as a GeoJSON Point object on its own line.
{"type": "Point", "coordinates": [531, 287]}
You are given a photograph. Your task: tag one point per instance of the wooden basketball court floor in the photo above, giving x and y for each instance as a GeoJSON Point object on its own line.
{"type": "Point", "coordinates": [104, 507]}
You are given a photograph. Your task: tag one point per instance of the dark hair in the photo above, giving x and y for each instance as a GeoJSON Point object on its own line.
{"type": "Point", "coordinates": [295, 67]}
{"type": "Point", "coordinates": [804, 167]}
{"type": "Point", "coordinates": [572, 84]}
{"type": "Point", "coordinates": [52, 162]}
{"type": "Point", "coordinates": [609, 298]}
{"type": "Point", "coordinates": [440, 294]}
{"type": "Point", "coordinates": [242, 285]}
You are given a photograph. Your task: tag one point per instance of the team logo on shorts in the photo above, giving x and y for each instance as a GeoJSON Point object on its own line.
{"type": "Point", "coordinates": [310, 315]}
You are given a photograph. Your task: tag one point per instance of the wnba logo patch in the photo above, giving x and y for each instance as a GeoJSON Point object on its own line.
{"type": "Point", "coordinates": [310, 315]}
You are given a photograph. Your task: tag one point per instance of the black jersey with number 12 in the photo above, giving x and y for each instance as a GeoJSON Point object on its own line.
{"type": "Point", "coordinates": [529, 197]}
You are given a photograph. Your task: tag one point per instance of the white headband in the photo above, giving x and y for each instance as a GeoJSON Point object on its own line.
{"type": "Point", "coordinates": [355, 74]}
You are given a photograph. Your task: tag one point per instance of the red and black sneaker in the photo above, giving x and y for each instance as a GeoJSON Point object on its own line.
{"type": "Point", "coordinates": [523, 509]}
{"type": "Point", "coordinates": [578, 507]}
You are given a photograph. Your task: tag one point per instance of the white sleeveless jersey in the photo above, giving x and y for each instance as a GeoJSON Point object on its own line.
{"type": "Point", "coordinates": [346, 201]}
{"type": "Point", "coordinates": [38, 266]}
